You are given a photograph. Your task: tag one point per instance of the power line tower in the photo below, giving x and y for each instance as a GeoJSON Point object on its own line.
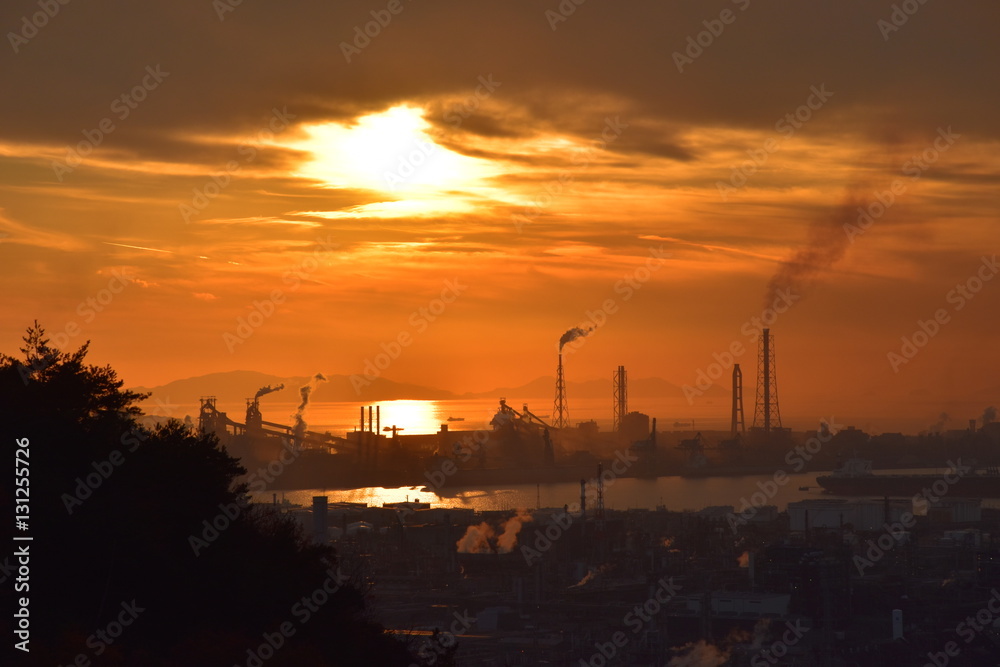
{"type": "Point", "coordinates": [766, 415]}
{"type": "Point", "coordinates": [738, 425]}
{"type": "Point", "coordinates": [560, 411]}
{"type": "Point", "coordinates": [621, 397]}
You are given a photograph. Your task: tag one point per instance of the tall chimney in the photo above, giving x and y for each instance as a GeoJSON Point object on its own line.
{"type": "Point", "coordinates": [767, 380]}
{"type": "Point", "coordinates": [738, 425]}
{"type": "Point", "coordinates": [560, 411]}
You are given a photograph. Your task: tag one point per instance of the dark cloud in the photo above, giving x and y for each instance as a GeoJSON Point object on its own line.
{"type": "Point", "coordinates": [224, 75]}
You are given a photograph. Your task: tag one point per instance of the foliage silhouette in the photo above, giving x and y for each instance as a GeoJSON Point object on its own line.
{"type": "Point", "coordinates": [115, 499]}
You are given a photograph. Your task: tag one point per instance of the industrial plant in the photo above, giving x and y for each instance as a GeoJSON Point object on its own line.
{"type": "Point", "coordinates": [863, 578]}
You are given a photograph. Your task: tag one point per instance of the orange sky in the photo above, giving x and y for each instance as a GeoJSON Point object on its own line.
{"type": "Point", "coordinates": [538, 172]}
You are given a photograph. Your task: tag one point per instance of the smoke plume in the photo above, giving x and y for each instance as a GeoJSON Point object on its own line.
{"type": "Point", "coordinates": [826, 243]}
{"type": "Point", "coordinates": [571, 335]}
{"type": "Point", "coordinates": [938, 426]}
{"type": "Point", "coordinates": [267, 390]}
{"type": "Point", "coordinates": [299, 425]}
{"type": "Point", "coordinates": [476, 539]}
{"type": "Point", "coordinates": [507, 539]}
{"type": "Point", "coordinates": [483, 539]}
{"type": "Point", "coordinates": [989, 415]}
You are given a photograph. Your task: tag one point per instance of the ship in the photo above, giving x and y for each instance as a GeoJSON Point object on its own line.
{"type": "Point", "coordinates": [856, 478]}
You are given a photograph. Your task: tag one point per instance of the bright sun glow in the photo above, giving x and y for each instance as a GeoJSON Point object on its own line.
{"type": "Point", "coordinates": [389, 152]}
{"type": "Point", "coordinates": [413, 416]}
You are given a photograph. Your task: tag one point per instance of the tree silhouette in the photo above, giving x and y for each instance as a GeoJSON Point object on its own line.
{"type": "Point", "coordinates": [114, 506]}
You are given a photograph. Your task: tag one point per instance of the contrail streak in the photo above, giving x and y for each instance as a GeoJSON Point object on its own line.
{"type": "Point", "coordinates": [168, 252]}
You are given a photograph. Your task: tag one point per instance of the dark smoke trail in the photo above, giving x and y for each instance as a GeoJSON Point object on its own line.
{"type": "Point", "coordinates": [827, 239]}
{"type": "Point", "coordinates": [826, 244]}
{"type": "Point", "coordinates": [267, 390]}
{"type": "Point", "coordinates": [989, 415]}
{"type": "Point", "coordinates": [572, 334]}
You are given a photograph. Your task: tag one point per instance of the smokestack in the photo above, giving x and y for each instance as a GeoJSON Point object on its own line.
{"type": "Point", "coordinates": [738, 425]}
{"type": "Point", "coordinates": [621, 398]}
{"type": "Point", "coordinates": [560, 411]}
{"type": "Point", "coordinates": [972, 426]}
{"type": "Point", "coordinates": [766, 415]}
{"type": "Point", "coordinates": [767, 380]}
{"type": "Point", "coordinates": [369, 419]}
{"type": "Point", "coordinates": [378, 418]}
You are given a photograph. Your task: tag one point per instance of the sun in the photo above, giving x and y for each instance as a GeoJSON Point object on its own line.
{"type": "Point", "coordinates": [389, 152]}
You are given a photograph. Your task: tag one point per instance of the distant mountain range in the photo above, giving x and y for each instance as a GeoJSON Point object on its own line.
{"type": "Point", "coordinates": [235, 386]}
